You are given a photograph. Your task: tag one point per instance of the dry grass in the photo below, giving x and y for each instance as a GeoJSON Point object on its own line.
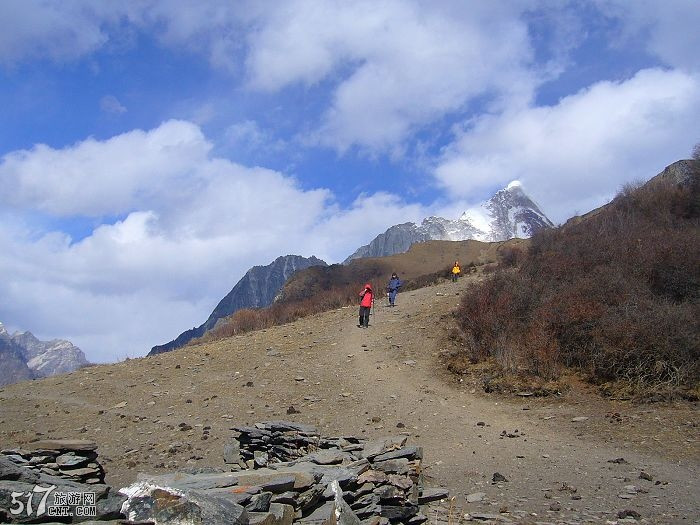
{"type": "Point", "coordinates": [319, 289]}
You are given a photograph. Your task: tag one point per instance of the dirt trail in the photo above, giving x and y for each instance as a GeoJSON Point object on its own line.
{"type": "Point", "coordinates": [383, 380]}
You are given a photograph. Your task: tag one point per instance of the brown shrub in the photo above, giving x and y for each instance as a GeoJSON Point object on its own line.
{"type": "Point", "coordinates": [615, 296]}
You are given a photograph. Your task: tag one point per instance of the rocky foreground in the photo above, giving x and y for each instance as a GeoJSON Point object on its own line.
{"type": "Point", "coordinates": [277, 473]}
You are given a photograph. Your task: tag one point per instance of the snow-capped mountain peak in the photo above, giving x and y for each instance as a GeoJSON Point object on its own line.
{"type": "Point", "coordinates": [509, 213]}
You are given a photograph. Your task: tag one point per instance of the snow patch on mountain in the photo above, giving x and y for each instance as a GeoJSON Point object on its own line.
{"type": "Point", "coordinates": [509, 213]}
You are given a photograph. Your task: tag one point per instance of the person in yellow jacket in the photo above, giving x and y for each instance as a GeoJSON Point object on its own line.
{"type": "Point", "coordinates": [455, 271]}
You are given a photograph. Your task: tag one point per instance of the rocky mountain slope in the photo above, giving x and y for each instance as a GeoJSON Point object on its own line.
{"type": "Point", "coordinates": [256, 289]}
{"type": "Point", "coordinates": [508, 214]}
{"type": "Point", "coordinates": [23, 356]}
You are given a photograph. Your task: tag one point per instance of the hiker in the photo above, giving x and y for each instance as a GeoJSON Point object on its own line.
{"type": "Point", "coordinates": [393, 287]}
{"type": "Point", "coordinates": [366, 303]}
{"type": "Point", "coordinates": [455, 271]}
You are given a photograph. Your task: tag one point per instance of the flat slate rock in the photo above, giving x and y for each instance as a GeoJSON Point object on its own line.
{"type": "Point", "coordinates": [9, 470]}
{"type": "Point", "coordinates": [180, 480]}
{"type": "Point", "coordinates": [432, 494]}
{"type": "Point", "coordinates": [412, 452]}
{"type": "Point", "coordinates": [71, 460]}
{"type": "Point", "coordinates": [278, 514]}
{"type": "Point", "coordinates": [62, 444]}
{"type": "Point", "coordinates": [149, 503]}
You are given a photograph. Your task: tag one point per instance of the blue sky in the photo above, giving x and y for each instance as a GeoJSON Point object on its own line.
{"type": "Point", "coordinates": [152, 151]}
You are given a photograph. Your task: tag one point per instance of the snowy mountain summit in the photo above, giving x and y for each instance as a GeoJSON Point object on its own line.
{"type": "Point", "coordinates": [509, 213]}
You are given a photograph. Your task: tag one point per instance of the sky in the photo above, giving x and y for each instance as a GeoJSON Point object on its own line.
{"type": "Point", "coordinates": [152, 151]}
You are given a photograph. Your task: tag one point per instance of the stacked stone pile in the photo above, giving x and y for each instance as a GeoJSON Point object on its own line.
{"type": "Point", "coordinates": [379, 479]}
{"type": "Point", "coordinates": [279, 473]}
{"type": "Point", "coordinates": [51, 468]}
{"type": "Point", "coordinates": [71, 459]}
{"type": "Point", "coordinates": [284, 473]}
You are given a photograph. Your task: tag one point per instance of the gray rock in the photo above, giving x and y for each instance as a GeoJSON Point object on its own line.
{"type": "Point", "coordinates": [398, 513]}
{"type": "Point", "coordinates": [402, 482]}
{"type": "Point", "coordinates": [232, 453]}
{"type": "Point", "coordinates": [148, 502]}
{"type": "Point", "coordinates": [498, 478]}
{"type": "Point", "coordinates": [279, 485]}
{"type": "Point", "coordinates": [286, 426]}
{"type": "Point", "coordinates": [475, 497]}
{"type": "Point", "coordinates": [393, 466]}
{"type": "Point", "coordinates": [368, 500]}
{"type": "Point", "coordinates": [62, 444]}
{"type": "Point", "coordinates": [342, 513]}
{"type": "Point", "coordinates": [373, 476]}
{"type": "Point", "coordinates": [418, 519]}
{"type": "Point", "coordinates": [9, 470]}
{"type": "Point", "coordinates": [374, 448]}
{"type": "Point", "coordinates": [71, 460]}
{"type": "Point", "coordinates": [328, 457]}
{"type": "Point", "coordinates": [432, 494]}
{"type": "Point", "coordinates": [260, 502]}
{"type": "Point", "coordinates": [286, 498]}
{"type": "Point", "coordinates": [109, 507]}
{"type": "Point", "coordinates": [486, 517]}
{"type": "Point", "coordinates": [261, 458]}
{"type": "Point", "coordinates": [310, 497]}
{"type": "Point", "coordinates": [180, 480]}
{"type": "Point", "coordinates": [628, 513]}
{"type": "Point", "coordinates": [412, 452]}
{"type": "Point", "coordinates": [320, 515]}
{"type": "Point", "coordinates": [388, 492]}
{"type": "Point", "coordinates": [278, 514]}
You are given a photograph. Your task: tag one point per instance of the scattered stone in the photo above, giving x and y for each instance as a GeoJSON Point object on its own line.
{"type": "Point", "coordinates": [644, 475]}
{"type": "Point", "coordinates": [619, 461]}
{"type": "Point", "coordinates": [555, 506]}
{"type": "Point", "coordinates": [628, 513]}
{"type": "Point", "coordinates": [475, 497]}
{"type": "Point", "coordinates": [579, 419]}
{"type": "Point", "coordinates": [498, 478]}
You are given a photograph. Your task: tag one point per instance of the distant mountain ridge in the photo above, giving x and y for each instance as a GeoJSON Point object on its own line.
{"type": "Point", "coordinates": [23, 356]}
{"type": "Point", "coordinates": [256, 289]}
{"type": "Point", "coordinates": [508, 214]}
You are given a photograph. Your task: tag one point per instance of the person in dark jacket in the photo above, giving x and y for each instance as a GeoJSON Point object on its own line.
{"type": "Point", "coordinates": [393, 288]}
{"type": "Point", "coordinates": [366, 302]}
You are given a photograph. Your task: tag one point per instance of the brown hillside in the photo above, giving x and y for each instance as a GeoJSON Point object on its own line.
{"type": "Point", "coordinates": [319, 289]}
{"type": "Point", "coordinates": [614, 295]}
{"type": "Point", "coordinates": [426, 259]}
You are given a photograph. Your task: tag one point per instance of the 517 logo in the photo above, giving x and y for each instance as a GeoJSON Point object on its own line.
{"type": "Point", "coordinates": [17, 506]}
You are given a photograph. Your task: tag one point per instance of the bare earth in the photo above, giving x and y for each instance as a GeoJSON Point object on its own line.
{"type": "Point", "coordinates": [385, 380]}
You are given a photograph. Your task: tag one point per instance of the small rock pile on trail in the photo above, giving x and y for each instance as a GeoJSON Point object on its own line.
{"type": "Point", "coordinates": [279, 473]}
{"type": "Point", "coordinates": [71, 459]}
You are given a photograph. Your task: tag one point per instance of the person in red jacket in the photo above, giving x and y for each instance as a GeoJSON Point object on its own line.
{"type": "Point", "coordinates": [366, 303]}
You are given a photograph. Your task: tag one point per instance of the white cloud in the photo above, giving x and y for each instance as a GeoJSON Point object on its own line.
{"type": "Point", "coordinates": [395, 65]}
{"type": "Point", "coordinates": [58, 30]}
{"type": "Point", "coordinates": [111, 104]}
{"type": "Point", "coordinates": [668, 29]}
{"type": "Point", "coordinates": [193, 224]}
{"type": "Point", "coordinates": [94, 178]}
{"type": "Point", "coordinates": [577, 154]}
